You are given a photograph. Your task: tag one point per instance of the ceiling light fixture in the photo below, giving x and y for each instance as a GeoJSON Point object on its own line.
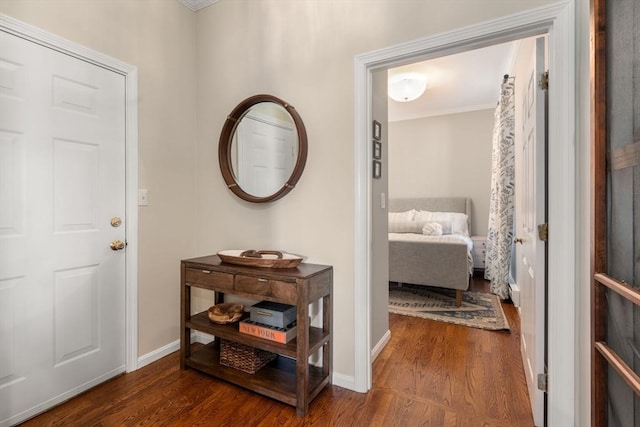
{"type": "Point", "coordinates": [405, 87]}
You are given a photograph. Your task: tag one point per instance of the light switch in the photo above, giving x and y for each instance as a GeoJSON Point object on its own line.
{"type": "Point", "coordinates": [143, 197]}
{"type": "Point", "coordinates": [383, 201]}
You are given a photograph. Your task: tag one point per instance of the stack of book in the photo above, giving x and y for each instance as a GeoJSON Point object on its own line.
{"type": "Point", "coordinates": [268, 332]}
{"type": "Point", "coordinates": [272, 321]}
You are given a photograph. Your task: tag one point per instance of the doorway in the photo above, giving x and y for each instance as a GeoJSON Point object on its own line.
{"type": "Point", "coordinates": [441, 144]}
{"type": "Point", "coordinates": [557, 21]}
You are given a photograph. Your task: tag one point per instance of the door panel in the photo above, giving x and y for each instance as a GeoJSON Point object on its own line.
{"type": "Point", "coordinates": [531, 211]}
{"type": "Point", "coordinates": [62, 179]}
{"type": "Point", "coordinates": [12, 369]}
{"type": "Point", "coordinates": [266, 153]}
{"type": "Point", "coordinates": [11, 183]}
{"type": "Point", "coordinates": [76, 322]}
{"type": "Point", "coordinates": [75, 185]}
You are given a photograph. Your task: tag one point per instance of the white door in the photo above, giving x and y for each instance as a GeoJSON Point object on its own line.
{"type": "Point", "coordinates": [265, 154]}
{"type": "Point", "coordinates": [62, 180]}
{"type": "Point", "coordinates": [530, 255]}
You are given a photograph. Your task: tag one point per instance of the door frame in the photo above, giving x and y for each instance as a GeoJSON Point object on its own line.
{"type": "Point", "coordinates": [558, 21]}
{"type": "Point", "coordinates": [130, 73]}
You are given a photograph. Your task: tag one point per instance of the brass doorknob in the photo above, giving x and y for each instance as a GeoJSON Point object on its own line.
{"type": "Point", "coordinates": [518, 240]}
{"type": "Point", "coordinates": [117, 245]}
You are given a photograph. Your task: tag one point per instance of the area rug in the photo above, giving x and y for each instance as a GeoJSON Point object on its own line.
{"type": "Point", "coordinates": [478, 310]}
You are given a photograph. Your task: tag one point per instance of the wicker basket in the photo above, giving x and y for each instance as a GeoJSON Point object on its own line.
{"type": "Point", "coordinates": [243, 357]}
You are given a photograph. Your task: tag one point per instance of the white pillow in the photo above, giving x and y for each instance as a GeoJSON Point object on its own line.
{"type": "Point", "coordinates": [452, 222]}
{"type": "Point", "coordinates": [459, 223]}
{"type": "Point", "coordinates": [424, 217]}
{"type": "Point", "coordinates": [402, 222]}
{"type": "Point", "coordinates": [432, 229]}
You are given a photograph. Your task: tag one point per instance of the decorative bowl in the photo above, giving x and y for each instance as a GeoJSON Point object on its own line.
{"type": "Point", "coordinates": [261, 258]}
{"type": "Point", "coordinates": [226, 312]}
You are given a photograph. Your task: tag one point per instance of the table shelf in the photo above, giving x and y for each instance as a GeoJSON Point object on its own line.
{"type": "Point", "coordinates": [201, 322]}
{"type": "Point", "coordinates": [276, 380]}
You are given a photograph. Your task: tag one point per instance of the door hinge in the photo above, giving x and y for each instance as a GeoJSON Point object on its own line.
{"type": "Point", "coordinates": [543, 382]}
{"type": "Point", "coordinates": [543, 232]}
{"type": "Point", "coordinates": [544, 81]}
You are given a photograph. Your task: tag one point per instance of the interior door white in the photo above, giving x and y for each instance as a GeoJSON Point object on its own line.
{"type": "Point", "coordinates": [530, 255]}
{"type": "Point", "coordinates": [266, 155]}
{"type": "Point", "coordinates": [62, 180]}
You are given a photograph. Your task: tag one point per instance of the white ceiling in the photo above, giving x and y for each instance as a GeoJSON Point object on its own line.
{"type": "Point", "coordinates": [457, 83]}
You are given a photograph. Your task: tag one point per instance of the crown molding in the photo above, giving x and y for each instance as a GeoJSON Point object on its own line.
{"type": "Point", "coordinates": [196, 5]}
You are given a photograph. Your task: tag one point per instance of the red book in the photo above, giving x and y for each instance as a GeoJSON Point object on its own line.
{"type": "Point", "coordinates": [271, 333]}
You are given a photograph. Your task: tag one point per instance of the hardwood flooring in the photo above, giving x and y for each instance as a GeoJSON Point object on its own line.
{"type": "Point", "coordinates": [429, 374]}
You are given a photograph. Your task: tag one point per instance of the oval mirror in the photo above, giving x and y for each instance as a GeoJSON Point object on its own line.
{"type": "Point", "coordinates": [262, 149]}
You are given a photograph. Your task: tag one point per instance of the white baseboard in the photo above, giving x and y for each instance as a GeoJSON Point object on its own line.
{"type": "Point", "coordinates": [377, 349]}
{"type": "Point", "coordinates": [344, 381]}
{"type": "Point", "coordinates": [349, 382]}
{"type": "Point", "coordinates": [201, 337]}
{"type": "Point", "coordinates": [158, 353]}
{"type": "Point", "coordinates": [166, 350]}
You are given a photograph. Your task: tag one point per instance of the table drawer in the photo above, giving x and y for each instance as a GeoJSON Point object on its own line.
{"type": "Point", "coordinates": [208, 279]}
{"type": "Point", "coordinates": [262, 286]}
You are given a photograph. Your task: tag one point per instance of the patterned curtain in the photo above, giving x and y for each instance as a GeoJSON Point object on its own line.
{"type": "Point", "coordinates": [500, 234]}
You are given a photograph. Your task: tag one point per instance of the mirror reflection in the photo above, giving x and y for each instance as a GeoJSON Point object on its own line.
{"type": "Point", "coordinates": [264, 149]}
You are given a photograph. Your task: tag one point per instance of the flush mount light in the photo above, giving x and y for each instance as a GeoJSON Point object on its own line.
{"type": "Point", "coordinates": [405, 87]}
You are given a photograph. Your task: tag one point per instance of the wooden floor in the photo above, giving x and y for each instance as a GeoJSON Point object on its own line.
{"type": "Point", "coordinates": [429, 374]}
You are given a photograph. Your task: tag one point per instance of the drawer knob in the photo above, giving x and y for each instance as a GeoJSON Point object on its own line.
{"type": "Point", "coordinates": [206, 271]}
{"type": "Point", "coordinates": [263, 280]}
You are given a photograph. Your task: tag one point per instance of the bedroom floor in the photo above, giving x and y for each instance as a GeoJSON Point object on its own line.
{"type": "Point", "coordinates": [430, 373]}
{"type": "Point", "coordinates": [450, 375]}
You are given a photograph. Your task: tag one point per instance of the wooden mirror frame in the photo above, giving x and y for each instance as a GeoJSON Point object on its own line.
{"type": "Point", "coordinates": [226, 138]}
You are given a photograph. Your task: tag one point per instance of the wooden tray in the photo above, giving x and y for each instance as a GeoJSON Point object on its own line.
{"type": "Point", "coordinates": [266, 259]}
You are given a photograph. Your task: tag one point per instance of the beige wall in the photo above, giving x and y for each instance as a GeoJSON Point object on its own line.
{"type": "Point", "coordinates": [158, 37]}
{"type": "Point", "coordinates": [444, 156]}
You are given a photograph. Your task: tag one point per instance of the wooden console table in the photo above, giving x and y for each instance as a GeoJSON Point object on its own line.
{"type": "Point", "coordinates": [289, 379]}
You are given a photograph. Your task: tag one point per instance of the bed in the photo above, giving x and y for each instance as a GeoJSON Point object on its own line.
{"type": "Point", "coordinates": [430, 243]}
